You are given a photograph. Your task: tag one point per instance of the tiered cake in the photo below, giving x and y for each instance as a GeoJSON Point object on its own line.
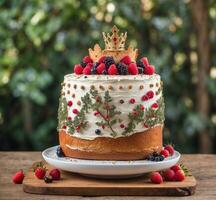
{"type": "Point", "coordinates": [112, 107]}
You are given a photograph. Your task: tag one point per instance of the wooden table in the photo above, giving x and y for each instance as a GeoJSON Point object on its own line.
{"type": "Point", "coordinates": [203, 167]}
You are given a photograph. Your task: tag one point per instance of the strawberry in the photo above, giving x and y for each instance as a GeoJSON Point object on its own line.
{"type": "Point", "coordinates": [175, 168]}
{"type": "Point", "coordinates": [169, 175]}
{"type": "Point", "coordinates": [102, 58]}
{"type": "Point", "coordinates": [170, 149]}
{"type": "Point", "coordinates": [132, 69]}
{"type": "Point", "coordinates": [100, 68]}
{"type": "Point", "coordinates": [149, 70]}
{"type": "Point", "coordinates": [126, 60]}
{"type": "Point", "coordinates": [18, 177]}
{"type": "Point", "coordinates": [150, 94]}
{"type": "Point", "coordinates": [164, 153]}
{"type": "Point", "coordinates": [145, 61]}
{"type": "Point", "coordinates": [112, 70]}
{"type": "Point", "coordinates": [40, 172]}
{"type": "Point", "coordinates": [179, 175]}
{"type": "Point", "coordinates": [87, 70]}
{"type": "Point", "coordinates": [55, 174]}
{"type": "Point", "coordinates": [156, 178]}
{"type": "Point", "coordinates": [78, 69]}
{"type": "Point", "coordinates": [87, 59]}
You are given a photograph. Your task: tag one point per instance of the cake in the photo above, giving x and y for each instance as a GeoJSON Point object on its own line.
{"type": "Point", "coordinates": [111, 107]}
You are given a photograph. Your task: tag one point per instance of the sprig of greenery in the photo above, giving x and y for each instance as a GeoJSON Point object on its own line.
{"type": "Point", "coordinates": [62, 112]}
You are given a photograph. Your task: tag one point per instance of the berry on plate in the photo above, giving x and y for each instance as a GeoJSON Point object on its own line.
{"type": "Point", "coordinates": [170, 149]}
{"type": "Point", "coordinates": [132, 69]}
{"type": "Point", "coordinates": [18, 177]}
{"type": "Point", "coordinates": [78, 69]}
{"type": "Point", "coordinates": [112, 70]}
{"type": "Point", "coordinates": [55, 174]}
{"type": "Point", "coordinates": [175, 168]}
{"type": "Point", "coordinates": [40, 172]}
{"type": "Point", "coordinates": [156, 178]}
{"type": "Point", "coordinates": [179, 175]}
{"type": "Point", "coordinates": [149, 70]}
{"type": "Point", "coordinates": [126, 60]}
{"type": "Point", "coordinates": [164, 153]}
{"type": "Point", "coordinates": [169, 175]}
{"type": "Point", "coordinates": [87, 59]}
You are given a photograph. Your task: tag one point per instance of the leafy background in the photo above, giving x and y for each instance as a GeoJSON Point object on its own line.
{"type": "Point", "coordinates": [40, 41]}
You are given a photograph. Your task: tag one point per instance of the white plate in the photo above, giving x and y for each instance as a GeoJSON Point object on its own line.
{"type": "Point", "coordinates": [107, 169]}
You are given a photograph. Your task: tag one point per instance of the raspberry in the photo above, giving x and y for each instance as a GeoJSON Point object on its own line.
{"type": "Point", "coordinates": [87, 59]}
{"type": "Point", "coordinates": [145, 98]}
{"type": "Point", "coordinates": [87, 70]}
{"type": "Point", "coordinates": [170, 149]}
{"type": "Point", "coordinates": [70, 103]}
{"type": "Point", "coordinates": [132, 101]}
{"type": "Point", "coordinates": [132, 68]}
{"type": "Point", "coordinates": [102, 58]}
{"type": "Point", "coordinates": [150, 94]}
{"type": "Point", "coordinates": [18, 177]}
{"type": "Point", "coordinates": [100, 68]}
{"type": "Point", "coordinates": [40, 172]}
{"type": "Point", "coordinates": [78, 69]}
{"type": "Point", "coordinates": [145, 61]}
{"type": "Point", "coordinates": [90, 65]}
{"type": "Point", "coordinates": [179, 175]}
{"type": "Point", "coordinates": [112, 70]}
{"type": "Point", "coordinates": [169, 175]}
{"type": "Point", "coordinates": [75, 111]}
{"type": "Point", "coordinates": [175, 168]}
{"type": "Point", "coordinates": [55, 174]}
{"type": "Point", "coordinates": [126, 60]}
{"type": "Point", "coordinates": [149, 70]}
{"type": "Point", "coordinates": [154, 105]}
{"type": "Point", "coordinates": [156, 178]}
{"type": "Point", "coordinates": [164, 153]}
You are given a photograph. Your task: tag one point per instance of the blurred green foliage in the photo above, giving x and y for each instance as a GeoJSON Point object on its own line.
{"type": "Point", "coordinates": [42, 40]}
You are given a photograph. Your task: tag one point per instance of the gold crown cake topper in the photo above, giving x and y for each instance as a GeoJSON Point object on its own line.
{"type": "Point", "coordinates": [114, 46]}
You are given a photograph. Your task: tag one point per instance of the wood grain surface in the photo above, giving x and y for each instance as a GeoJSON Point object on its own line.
{"type": "Point", "coordinates": [203, 167]}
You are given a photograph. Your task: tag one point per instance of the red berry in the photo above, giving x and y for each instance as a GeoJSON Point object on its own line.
{"type": "Point", "coordinates": [145, 61]}
{"type": "Point", "coordinates": [75, 111]}
{"type": "Point", "coordinates": [179, 175]}
{"type": "Point", "coordinates": [40, 172]}
{"type": "Point", "coordinates": [102, 58]}
{"type": "Point", "coordinates": [87, 59]}
{"type": "Point", "coordinates": [154, 105]}
{"type": "Point", "coordinates": [69, 118]}
{"type": "Point", "coordinates": [150, 94]}
{"type": "Point", "coordinates": [87, 70]}
{"type": "Point", "coordinates": [100, 68]}
{"type": "Point", "coordinates": [55, 173]}
{"type": "Point", "coordinates": [142, 107]}
{"type": "Point", "coordinates": [145, 98]}
{"type": "Point", "coordinates": [70, 103]}
{"type": "Point", "coordinates": [132, 101]}
{"type": "Point", "coordinates": [175, 168]}
{"type": "Point", "coordinates": [169, 175]}
{"type": "Point", "coordinates": [164, 153]}
{"type": "Point", "coordinates": [132, 69]}
{"type": "Point", "coordinates": [170, 149]}
{"type": "Point", "coordinates": [145, 125]}
{"type": "Point", "coordinates": [156, 178]}
{"type": "Point", "coordinates": [122, 125]}
{"type": "Point", "coordinates": [64, 127]}
{"type": "Point", "coordinates": [112, 70]}
{"type": "Point", "coordinates": [126, 60]}
{"type": "Point", "coordinates": [18, 177]}
{"type": "Point", "coordinates": [78, 69]}
{"type": "Point", "coordinates": [96, 113]}
{"type": "Point", "coordinates": [149, 70]}
{"type": "Point", "coordinates": [89, 65]}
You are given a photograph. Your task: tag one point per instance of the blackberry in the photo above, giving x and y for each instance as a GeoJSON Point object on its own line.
{"type": "Point", "coordinates": [122, 69]}
{"type": "Point", "coordinates": [161, 157]}
{"type": "Point", "coordinates": [59, 152]}
{"type": "Point", "coordinates": [83, 64]}
{"type": "Point", "coordinates": [48, 179]}
{"type": "Point", "coordinates": [108, 61]}
{"type": "Point", "coordinates": [155, 154]}
{"type": "Point", "coordinates": [94, 68]}
{"type": "Point", "coordinates": [141, 66]}
{"type": "Point", "coordinates": [104, 72]}
{"type": "Point", "coordinates": [151, 158]}
{"type": "Point", "coordinates": [98, 131]}
{"type": "Point", "coordinates": [140, 70]}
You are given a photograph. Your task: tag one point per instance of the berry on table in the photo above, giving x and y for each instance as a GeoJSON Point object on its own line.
{"type": "Point", "coordinates": [156, 178]}
{"type": "Point", "coordinates": [170, 149]}
{"type": "Point", "coordinates": [179, 175]}
{"type": "Point", "coordinates": [59, 152]}
{"type": "Point", "coordinates": [87, 59]}
{"type": "Point", "coordinates": [48, 179]}
{"type": "Point", "coordinates": [132, 69]}
{"type": "Point", "coordinates": [18, 177]}
{"type": "Point", "coordinates": [55, 174]}
{"type": "Point", "coordinates": [100, 68]}
{"type": "Point", "coordinates": [40, 172]}
{"type": "Point", "coordinates": [87, 70]}
{"type": "Point", "coordinates": [149, 70]}
{"type": "Point", "coordinates": [164, 153]}
{"type": "Point", "coordinates": [126, 60]}
{"type": "Point", "coordinates": [78, 69]}
{"type": "Point", "coordinates": [112, 70]}
{"type": "Point", "coordinates": [169, 175]}
{"type": "Point", "coordinates": [175, 168]}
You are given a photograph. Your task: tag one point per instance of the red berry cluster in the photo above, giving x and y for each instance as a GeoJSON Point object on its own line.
{"type": "Point", "coordinates": [107, 66]}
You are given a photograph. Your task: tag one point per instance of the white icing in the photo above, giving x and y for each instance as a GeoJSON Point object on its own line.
{"type": "Point", "coordinates": [117, 94]}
